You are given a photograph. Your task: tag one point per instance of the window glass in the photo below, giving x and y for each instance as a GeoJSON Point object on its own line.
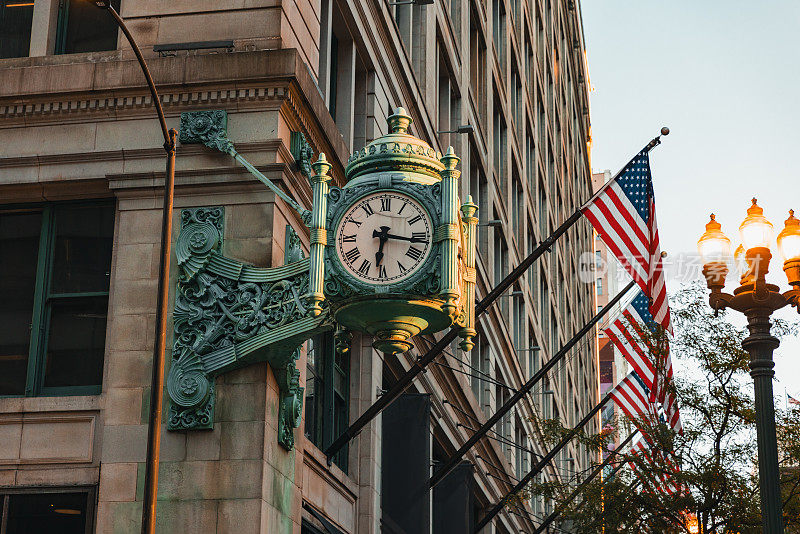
{"type": "Point", "coordinates": [65, 513]}
{"type": "Point", "coordinates": [19, 250]}
{"type": "Point", "coordinates": [76, 341]}
{"type": "Point", "coordinates": [82, 27]}
{"type": "Point", "coordinates": [16, 17]}
{"type": "Point", "coordinates": [82, 255]}
{"type": "Point", "coordinates": [327, 391]}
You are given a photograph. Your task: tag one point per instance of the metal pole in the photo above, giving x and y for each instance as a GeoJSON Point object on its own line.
{"type": "Point", "coordinates": [542, 463]}
{"type": "Point", "coordinates": [557, 512]}
{"type": "Point", "coordinates": [521, 392]}
{"type": "Point", "coordinates": [761, 344]}
{"type": "Point", "coordinates": [157, 384]}
{"type": "Point", "coordinates": [419, 364]}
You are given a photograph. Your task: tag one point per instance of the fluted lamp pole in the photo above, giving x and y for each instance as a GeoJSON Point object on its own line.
{"type": "Point", "coordinates": [757, 299]}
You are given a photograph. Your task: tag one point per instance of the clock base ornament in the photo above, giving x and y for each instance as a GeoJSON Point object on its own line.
{"type": "Point", "coordinates": [392, 322]}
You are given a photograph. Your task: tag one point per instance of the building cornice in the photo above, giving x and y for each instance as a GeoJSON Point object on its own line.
{"type": "Point", "coordinates": [106, 86]}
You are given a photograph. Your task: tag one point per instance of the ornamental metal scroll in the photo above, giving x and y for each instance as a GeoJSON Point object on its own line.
{"type": "Point", "coordinates": [229, 314]}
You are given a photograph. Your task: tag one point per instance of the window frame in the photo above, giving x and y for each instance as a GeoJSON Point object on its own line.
{"type": "Point", "coordinates": [326, 418]}
{"type": "Point", "coordinates": [42, 301]}
{"type": "Point", "coordinates": [91, 501]}
{"type": "Point", "coordinates": [62, 25]}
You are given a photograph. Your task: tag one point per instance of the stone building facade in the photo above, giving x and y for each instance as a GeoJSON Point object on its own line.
{"type": "Point", "coordinates": [81, 175]}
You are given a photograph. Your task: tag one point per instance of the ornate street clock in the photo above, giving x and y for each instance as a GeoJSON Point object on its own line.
{"type": "Point", "coordinates": [395, 263]}
{"type": "Point", "coordinates": [391, 255]}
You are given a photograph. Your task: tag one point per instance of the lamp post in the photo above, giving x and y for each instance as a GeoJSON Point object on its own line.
{"type": "Point", "coordinates": [757, 299]}
{"type": "Point", "coordinates": [157, 384]}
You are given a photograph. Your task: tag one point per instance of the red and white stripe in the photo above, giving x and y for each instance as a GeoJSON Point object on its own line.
{"type": "Point", "coordinates": [632, 398]}
{"type": "Point", "coordinates": [627, 335]}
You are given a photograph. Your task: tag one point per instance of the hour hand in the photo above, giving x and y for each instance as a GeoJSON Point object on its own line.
{"type": "Point", "coordinates": [382, 236]}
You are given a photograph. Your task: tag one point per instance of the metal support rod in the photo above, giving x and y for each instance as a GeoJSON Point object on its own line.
{"type": "Point", "coordinates": [157, 381]}
{"type": "Point", "coordinates": [521, 392]}
{"type": "Point", "coordinates": [420, 363]}
{"type": "Point", "coordinates": [543, 462]}
{"type": "Point", "coordinates": [563, 504]}
{"type": "Point", "coordinates": [761, 344]}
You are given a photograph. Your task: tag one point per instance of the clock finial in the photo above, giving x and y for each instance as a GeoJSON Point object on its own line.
{"type": "Point", "coordinates": [399, 121]}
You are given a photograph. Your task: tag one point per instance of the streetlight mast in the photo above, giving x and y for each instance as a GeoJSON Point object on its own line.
{"type": "Point", "coordinates": [157, 384]}
{"type": "Point", "coordinates": [757, 299]}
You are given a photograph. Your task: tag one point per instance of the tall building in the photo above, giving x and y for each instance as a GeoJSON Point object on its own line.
{"type": "Point", "coordinates": [81, 178]}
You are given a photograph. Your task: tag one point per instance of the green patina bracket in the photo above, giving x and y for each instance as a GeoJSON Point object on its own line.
{"type": "Point", "coordinates": [207, 127]}
{"type": "Point", "coordinates": [210, 128]}
{"type": "Point", "coordinates": [229, 314]}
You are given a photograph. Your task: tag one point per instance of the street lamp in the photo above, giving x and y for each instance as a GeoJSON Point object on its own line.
{"type": "Point", "coordinates": [757, 299]}
{"type": "Point", "coordinates": [157, 384]}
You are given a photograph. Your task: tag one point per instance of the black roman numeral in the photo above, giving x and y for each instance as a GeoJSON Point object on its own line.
{"type": "Point", "coordinates": [351, 220]}
{"type": "Point", "coordinates": [364, 268]}
{"type": "Point", "coordinates": [414, 219]}
{"type": "Point", "coordinates": [349, 239]}
{"type": "Point", "coordinates": [401, 267]}
{"type": "Point", "coordinates": [402, 208]}
{"type": "Point", "coordinates": [382, 271]}
{"type": "Point", "coordinates": [386, 204]}
{"type": "Point", "coordinates": [414, 253]}
{"type": "Point", "coordinates": [367, 209]}
{"type": "Point", "coordinates": [419, 236]}
{"type": "Point", "coordinates": [352, 255]}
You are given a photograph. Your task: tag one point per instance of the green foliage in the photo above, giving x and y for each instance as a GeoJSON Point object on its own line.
{"type": "Point", "coordinates": [716, 452]}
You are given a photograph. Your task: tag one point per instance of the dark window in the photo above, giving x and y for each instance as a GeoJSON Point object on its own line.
{"type": "Point", "coordinates": [82, 27]}
{"type": "Point", "coordinates": [334, 76]}
{"type": "Point", "coordinates": [66, 511]}
{"type": "Point", "coordinates": [56, 262]}
{"type": "Point", "coordinates": [16, 17]}
{"type": "Point", "coordinates": [327, 391]}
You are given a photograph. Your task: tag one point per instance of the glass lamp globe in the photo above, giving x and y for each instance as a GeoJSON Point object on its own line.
{"type": "Point", "coordinates": [756, 230]}
{"type": "Point", "coordinates": [789, 239]}
{"type": "Point", "coordinates": [714, 245]}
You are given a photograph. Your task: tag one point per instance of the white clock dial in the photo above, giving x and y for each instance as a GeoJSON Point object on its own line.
{"type": "Point", "coordinates": [384, 238]}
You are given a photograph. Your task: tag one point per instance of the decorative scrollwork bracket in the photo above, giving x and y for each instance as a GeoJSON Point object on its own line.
{"type": "Point", "coordinates": [229, 314]}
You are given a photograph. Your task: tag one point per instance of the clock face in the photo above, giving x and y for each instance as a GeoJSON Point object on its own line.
{"type": "Point", "coordinates": [384, 238]}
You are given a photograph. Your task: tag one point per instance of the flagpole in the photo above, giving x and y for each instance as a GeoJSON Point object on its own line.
{"type": "Point", "coordinates": [421, 362]}
{"type": "Point", "coordinates": [521, 392]}
{"type": "Point", "coordinates": [541, 464]}
{"type": "Point", "coordinates": [557, 512]}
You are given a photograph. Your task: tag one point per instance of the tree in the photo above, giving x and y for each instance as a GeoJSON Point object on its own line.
{"type": "Point", "coordinates": [710, 469]}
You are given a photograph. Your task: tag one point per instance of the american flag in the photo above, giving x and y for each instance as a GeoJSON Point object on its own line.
{"type": "Point", "coordinates": [630, 334]}
{"type": "Point", "coordinates": [624, 215]}
{"type": "Point", "coordinates": [660, 469]}
{"type": "Point", "coordinates": [792, 400]}
{"type": "Point", "coordinates": [633, 397]}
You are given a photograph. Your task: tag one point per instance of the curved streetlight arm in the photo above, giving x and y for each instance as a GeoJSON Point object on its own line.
{"type": "Point", "coordinates": [169, 141]}
{"type": "Point", "coordinates": [150, 492]}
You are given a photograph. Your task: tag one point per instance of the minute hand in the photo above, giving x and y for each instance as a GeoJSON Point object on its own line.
{"type": "Point", "coordinates": [404, 238]}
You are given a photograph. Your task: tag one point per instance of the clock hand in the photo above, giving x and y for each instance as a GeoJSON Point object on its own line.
{"type": "Point", "coordinates": [382, 236]}
{"type": "Point", "coordinates": [404, 238]}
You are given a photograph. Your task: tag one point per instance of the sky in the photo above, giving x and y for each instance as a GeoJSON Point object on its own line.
{"type": "Point", "coordinates": [724, 77]}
